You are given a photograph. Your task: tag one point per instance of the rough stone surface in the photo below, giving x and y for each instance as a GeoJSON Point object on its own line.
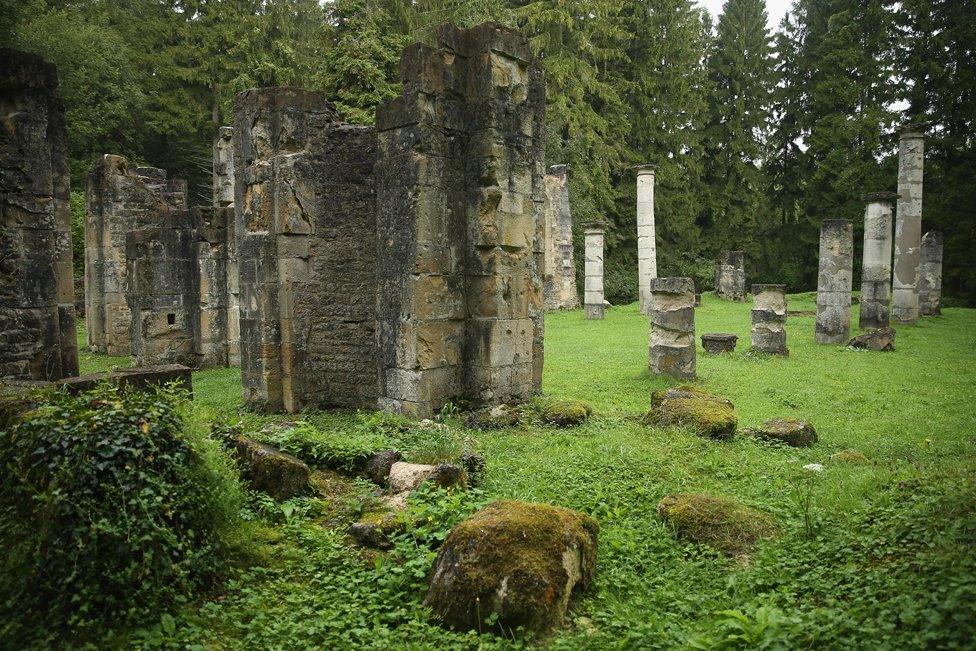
{"type": "Point", "coordinates": [378, 466]}
{"type": "Point", "coordinates": [460, 197]}
{"type": "Point", "coordinates": [646, 239]}
{"type": "Point", "coordinates": [266, 469]}
{"type": "Point", "coordinates": [730, 276]}
{"type": "Point", "coordinates": [833, 325]}
{"type": "Point", "coordinates": [876, 260]}
{"type": "Point", "coordinates": [136, 378]}
{"type": "Point", "coordinates": [447, 475]}
{"type": "Point", "coordinates": [37, 316]}
{"type": "Point", "coordinates": [405, 477]}
{"type": "Point", "coordinates": [495, 417]}
{"type": "Point", "coordinates": [768, 334]}
{"type": "Point", "coordinates": [566, 413]}
{"type": "Point", "coordinates": [687, 406]}
{"type": "Point", "coordinates": [304, 197]}
{"type": "Point", "coordinates": [930, 275]}
{"type": "Point", "coordinates": [559, 279]}
{"type": "Point", "coordinates": [514, 563]}
{"type": "Point", "coordinates": [593, 301]}
{"type": "Point", "coordinates": [672, 316]}
{"type": "Point", "coordinates": [723, 524]}
{"type": "Point", "coordinates": [908, 225]}
{"type": "Point", "coordinates": [792, 432]}
{"type": "Point", "coordinates": [878, 339]}
{"type": "Point", "coordinates": [716, 343]}
{"type": "Point", "coordinates": [217, 256]}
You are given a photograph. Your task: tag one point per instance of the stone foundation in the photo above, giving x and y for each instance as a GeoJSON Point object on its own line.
{"type": "Point", "coordinates": [559, 279]}
{"type": "Point", "coordinates": [768, 333]}
{"type": "Point", "coordinates": [716, 343]}
{"type": "Point", "coordinates": [593, 302]}
{"type": "Point", "coordinates": [672, 316]}
{"type": "Point", "coordinates": [37, 316]}
{"type": "Point", "coordinates": [876, 260]}
{"type": "Point", "coordinates": [833, 325]}
{"type": "Point", "coordinates": [930, 275]}
{"type": "Point", "coordinates": [730, 276]}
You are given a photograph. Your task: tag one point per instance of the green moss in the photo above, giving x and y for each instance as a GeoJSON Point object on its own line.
{"type": "Point", "coordinates": [854, 457]}
{"type": "Point", "coordinates": [566, 413]}
{"type": "Point", "coordinates": [688, 406]}
{"type": "Point", "coordinates": [278, 474]}
{"type": "Point", "coordinates": [513, 559]}
{"type": "Point", "coordinates": [792, 432]}
{"type": "Point", "coordinates": [497, 417]}
{"type": "Point", "coordinates": [723, 524]}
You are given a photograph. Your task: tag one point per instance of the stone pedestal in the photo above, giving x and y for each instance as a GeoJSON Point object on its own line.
{"type": "Point", "coordinates": [730, 276]}
{"type": "Point", "coordinates": [672, 317]}
{"type": "Point", "coordinates": [646, 243]}
{"type": "Point", "coordinates": [593, 272]}
{"type": "Point", "coordinates": [37, 315]}
{"type": "Point", "coordinates": [559, 277]}
{"type": "Point", "coordinates": [930, 275]}
{"type": "Point", "coordinates": [769, 319]}
{"type": "Point", "coordinates": [716, 343]}
{"type": "Point", "coordinates": [908, 225]}
{"type": "Point", "coordinates": [876, 260]}
{"type": "Point", "coordinates": [834, 280]}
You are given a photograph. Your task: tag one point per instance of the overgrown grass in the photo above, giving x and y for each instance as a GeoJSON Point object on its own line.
{"type": "Point", "coordinates": [868, 555]}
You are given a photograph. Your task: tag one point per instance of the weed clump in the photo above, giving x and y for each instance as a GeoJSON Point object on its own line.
{"type": "Point", "coordinates": [854, 457]}
{"type": "Point", "coordinates": [688, 406]}
{"type": "Point", "coordinates": [566, 413]}
{"type": "Point", "coordinates": [722, 524]}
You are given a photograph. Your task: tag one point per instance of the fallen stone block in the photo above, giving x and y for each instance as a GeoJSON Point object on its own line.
{"type": "Point", "coordinates": [272, 471]}
{"type": "Point", "coordinates": [497, 417]}
{"type": "Point", "coordinates": [716, 343]}
{"type": "Point", "coordinates": [687, 406]}
{"type": "Point", "coordinates": [795, 433]}
{"type": "Point", "coordinates": [566, 413]}
{"type": "Point", "coordinates": [880, 339]}
{"type": "Point", "coordinates": [378, 466]}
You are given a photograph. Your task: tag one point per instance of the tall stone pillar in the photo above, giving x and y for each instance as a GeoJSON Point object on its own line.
{"type": "Point", "coordinates": [593, 272]}
{"type": "Point", "coordinates": [930, 275]}
{"type": "Point", "coordinates": [769, 319]}
{"type": "Point", "coordinates": [646, 243]}
{"type": "Point", "coordinates": [834, 282]}
{"type": "Point", "coordinates": [908, 225]}
{"type": "Point", "coordinates": [672, 317]}
{"type": "Point", "coordinates": [559, 277]}
{"type": "Point", "coordinates": [221, 254]}
{"type": "Point", "coordinates": [876, 260]}
{"type": "Point", "coordinates": [730, 276]}
{"type": "Point", "coordinates": [37, 316]}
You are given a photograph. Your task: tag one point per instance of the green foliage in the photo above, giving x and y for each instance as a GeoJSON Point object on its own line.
{"type": "Point", "coordinates": [111, 507]}
{"type": "Point", "coordinates": [78, 234]}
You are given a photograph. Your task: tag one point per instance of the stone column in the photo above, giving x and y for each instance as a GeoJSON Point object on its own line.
{"type": "Point", "coordinates": [908, 225]}
{"type": "Point", "coordinates": [672, 316]}
{"type": "Point", "coordinates": [876, 260]}
{"type": "Point", "coordinates": [769, 319]}
{"type": "Point", "coordinates": [834, 281]}
{"type": "Point", "coordinates": [730, 276]}
{"type": "Point", "coordinates": [37, 315]}
{"type": "Point", "coordinates": [930, 275]}
{"type": "Point", "coordinates": [646, 243]}
{"type": "Point", "coordinates": [226, 223]}
{"type": "Point", "coordinates": [559, 284]}
{"type": "Point", "coordinates": [593, 272]}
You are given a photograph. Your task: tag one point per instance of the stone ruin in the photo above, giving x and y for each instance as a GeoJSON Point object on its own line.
{"type": "Point", "coordinates": [559, 277]}
{"type": "Point", "coordinates": [218, 257]}
{"type": "Point", "coordinates": [768, 334]}
{"type": "Point", "coordinates": [833, 325]}
{"type": "Point", "coordinates": [156, 271]}
{"type": "Point", "coordinates": [646, 239]}
{"type": "Point", "coordinates": [37, 318]}
{"type": "Point", "coordinates": [908, 225]}
{"type": "Point", "coordinates": [730, 276]}
{"type": "Point", "coordinates": [672, 316]}
{"type": "Point", "coordinates": [930, 275]}
{"type": "Point", "coordinates": [401, 266]}
{"type": "Point", "coordinates": [593, 301]}
{"type": "Point", "coordinates": [876, 260]}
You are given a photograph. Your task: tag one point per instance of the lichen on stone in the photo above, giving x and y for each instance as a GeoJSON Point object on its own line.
{"type": "Point", "coordinates": [720, 523]}
{"type": "Point", "coordinates": [688, 406]}
{"type": "Point", "coordinates": [566, 413]}
{"type": "Point", "coordinates": [789, 431]}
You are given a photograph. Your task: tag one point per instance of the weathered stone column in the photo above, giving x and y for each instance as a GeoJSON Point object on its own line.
{"type": "Point", "coordinates": [908, 225]}
{"type": "Point", "coordinates": [672, 316]}
{"type": "Point", "coordinates": [730, 276]}
{"type": "Point", "coordinates": [646, 243]}
{"type": "Point", "coordinates": [876, 260]}
{"type": "Point", "coordinates": [37, 316]}
{"type": "Point", "coordinates": [559, 284]}
{"type": "Point", "coordinates": [930, 275]}
{"type": "Point", "coordinates": [593, 272]}
{"type": "Point", "coordinates": [769, 319]}
{"type": "Point", "coordinates": [834, 282]}
{"type": "Point", "coordinates": [220, 254]}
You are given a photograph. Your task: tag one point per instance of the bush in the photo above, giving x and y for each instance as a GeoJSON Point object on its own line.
{"type": "Point", "coordinates": [111, 508]}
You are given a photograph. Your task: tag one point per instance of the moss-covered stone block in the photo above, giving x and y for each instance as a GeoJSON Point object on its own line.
{"type": "Point", "coordinates": [272, 471]}
{"type": "Point", "coordinates": [517, 560]}
{"type": "Point", "coordinates": [853, 457]}
{"type": "Point", "coordinates": [789, 431]}
{"type": "Point", "coordinates": [566, 413]}
{"type": "Point", "coordinates": [688, 406]}
{"type": "Point", "coordinates": [720, 523]}
{"type": "Point", "coordinates": [497, 417]}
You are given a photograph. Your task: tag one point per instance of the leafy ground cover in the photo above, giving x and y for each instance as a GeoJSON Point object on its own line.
{"type": "Point", "coordinates": [873, 553]}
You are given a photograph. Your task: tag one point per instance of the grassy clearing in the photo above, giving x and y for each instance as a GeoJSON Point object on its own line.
{"type": "Point", "coordinates": [869, 555]}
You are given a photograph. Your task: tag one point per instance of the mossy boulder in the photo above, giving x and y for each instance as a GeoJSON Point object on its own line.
{"type": "Point", "coordinates": [566, 413]}
{"type": "Point", "coordinates": [272, 471]}
{"type": "Point", "coordinates": [853, 457]}
{"type": "Point", "coordinates": [497, 417]}
{"type": "Point", "coordinates": [792, 432]}
{"type": "Point", "coordinates": [720, 523]}
{"type": "Point", "coordinates": [376, 530]}
{"type": "Point", "coordinates": [688, 406]}
{"type": "Point", "coordinates": [516, 560]}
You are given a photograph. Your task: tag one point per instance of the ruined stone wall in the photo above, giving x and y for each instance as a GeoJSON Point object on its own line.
{"type": "Point", "coordinates": [730, 276]}
{"type": "Point", "coordinates": [559, 279]}
{"type": "Point", "coordinates": [305, 199]}
{"type": "Point", "coordinates": [217, 335]}
{"type": "Point", "coordinates": [119, 199]}
{"type": "Point", "coordinates": [222, 250]}
{"type": "Point", "coordinates": [459, 203]}
{"type": "Point", "coordinates": [37, 321]}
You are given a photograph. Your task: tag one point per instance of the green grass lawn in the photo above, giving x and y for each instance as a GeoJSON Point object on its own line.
{"type": "Point", "coordinates": [868, 556]}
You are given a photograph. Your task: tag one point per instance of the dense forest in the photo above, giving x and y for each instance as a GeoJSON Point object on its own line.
{"type": "Point", "coordinates": [759, 134]}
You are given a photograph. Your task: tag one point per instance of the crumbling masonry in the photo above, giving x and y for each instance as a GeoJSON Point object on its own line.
{"type": "Point", "coordinates": [730, 276]}
{"type": "Point", "coordinates": [672, 317]}
{"type": "Point", "coordinates": [876, 260]}
{"type": "Point", "coordinates": [37, 320]}
{"type": "Point", "coordinates": [593, 300]}
{"type": "Point", "coordinates": [930, 275]}
{"type": "Point", "coordinates": [559, 279]}
{"type": "Point", "coordinates": [217, 258]}
{"type": "Point", "coordinates": [833, 324]}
